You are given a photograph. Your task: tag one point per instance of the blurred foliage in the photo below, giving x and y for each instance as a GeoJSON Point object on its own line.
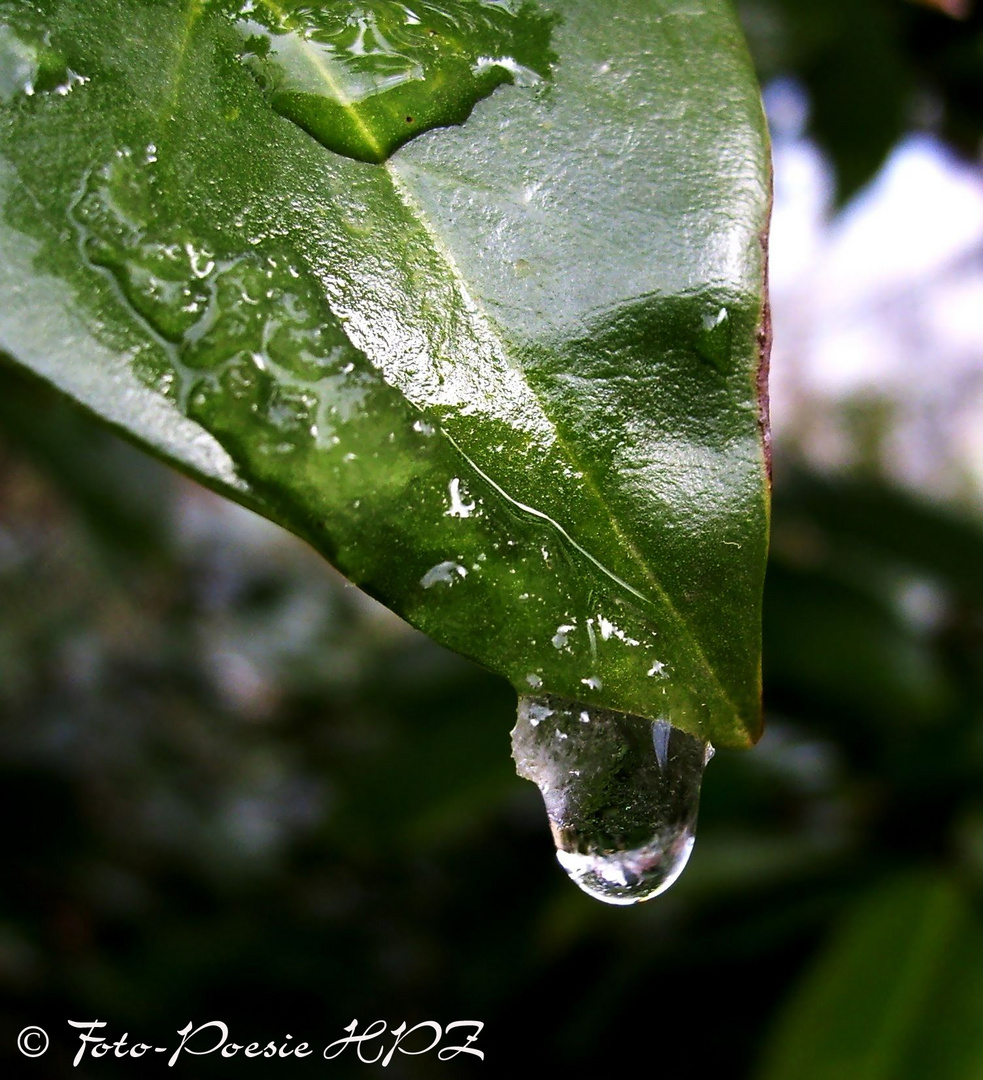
{"type": "Point", "coordinates": [235, 788]}
{"type": "Point", "coordinates": [896, 995]}
{"type": "Point", "coordinates": [874, 69]}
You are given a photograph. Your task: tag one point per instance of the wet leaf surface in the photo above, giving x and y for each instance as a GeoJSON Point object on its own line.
{"type": "Point", "coordinates": [505, 379]}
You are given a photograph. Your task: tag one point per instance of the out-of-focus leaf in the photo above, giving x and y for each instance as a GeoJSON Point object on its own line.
{"type": "Point", "coordinates": [865, 524]}
{"type": "Point", "coordinates": [874, 69]}
{"type": "Point", "coordinates": [506, 379]}
{"type": "Point", "coordinates": [894, 995]}
{"type": "Point", "coordinates": [849, 56]}
{"type": "Point", "coordinates": [846, 650]}
{"type": "Point", "coordinates": [126, 512]}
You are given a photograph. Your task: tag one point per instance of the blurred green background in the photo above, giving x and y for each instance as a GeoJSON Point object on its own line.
{"type": "Point", "coordinates": [235, 788]}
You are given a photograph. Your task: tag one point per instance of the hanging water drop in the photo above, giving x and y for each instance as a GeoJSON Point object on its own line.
{"type": "Point", "coordinates": [621, 792]}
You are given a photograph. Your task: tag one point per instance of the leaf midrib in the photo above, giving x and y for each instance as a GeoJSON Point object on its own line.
{"type": "Point", "coordinates": [195, 10]}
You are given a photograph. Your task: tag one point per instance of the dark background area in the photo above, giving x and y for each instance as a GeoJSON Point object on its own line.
{"type": "Point", "coordinates": [234, 788]}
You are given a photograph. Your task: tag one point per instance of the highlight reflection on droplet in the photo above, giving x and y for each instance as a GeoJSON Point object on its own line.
{"type": "Point", "coordinates": [622, 794]}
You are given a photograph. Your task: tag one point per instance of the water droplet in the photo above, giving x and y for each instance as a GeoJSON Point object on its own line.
{"type": "Point", "coordinates": [458, 507]}
{"type": "Point", "coordinates": [29, 65]}
{"type": "Point", "coordinates": [560, 638]}
{"type": "Point", "coordinates": [622, 794]}
{"type": "Point", "coordinates": [444, 573]}
{"type": "Point", "coordinates": [714, 338]}
{"type": "Point", "coordinates": [609, 629]}
{"type": "Point", "coordinates": [364, 79]}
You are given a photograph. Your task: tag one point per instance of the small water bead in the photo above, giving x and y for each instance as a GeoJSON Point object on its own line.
{"type": "Point", "coordinates": [622, 794]}
{"type": "Point", "coordinates": [609, 629]}
{"type": "Point", "coordinates": [29, 65]}
{"type": "Point", "coordinates": [561, 638]}
{"type": "Point", "coordinates": [459, 506]}
{"type": "Point", "coordinates": [715, 320]}
{"type": "Point", "coordinates": [444, 573]}
{"type": "Point", "coordinates": [714, 338]}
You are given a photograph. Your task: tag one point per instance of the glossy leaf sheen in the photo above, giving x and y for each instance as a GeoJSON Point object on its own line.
{"type": "Point", "coordinates": [503, 373]}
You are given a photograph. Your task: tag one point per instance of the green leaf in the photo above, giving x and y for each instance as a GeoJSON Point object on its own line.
{"type": "Point", "coordinates": [894, 996]}
{"type": "Point", "coordinates": [506, 379]}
